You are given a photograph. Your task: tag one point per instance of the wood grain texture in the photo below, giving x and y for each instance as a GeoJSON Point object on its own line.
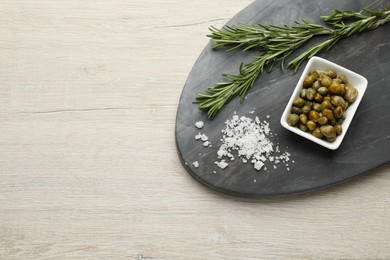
{"type": "Point", "coordinates": [88, 163]}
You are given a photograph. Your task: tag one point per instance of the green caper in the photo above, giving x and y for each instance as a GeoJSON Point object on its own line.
{"type": "Point", "coordinates": [318, 98]}
{"type": "Point", "coordinates": [323, 91]}
{"type": "Point", "coordinates": [303, 127]}
{"type": "Point", "coordinates": [331, 139]}
{"type": "Point", "coordinates": [322, 120]}
{"type": "Point", "coordinates": [327, 113]}
{"type": "Point", "coordinates": [317, 133]}
{"type": "Point", "coordinates": [314, 73]}
{"type": "Point", "coordinates": [296, 110]}
{"type": "Point", "coordinates": [313, 115]}
{"type": "Point", "coordinates": [302, 94]}
{"type": "Point", "coordinates": [325, 80]}
{"type": "Point", "coordinates": [351, 93]}
{"type": "Point", "coordinates": [303, 119]}
{"type": "Point", "coordinates": [328, 131]}
{"type": "Point", "coordinates": [335, 89]}
{"type": "Point", "coordinates": [339, 101]}
{"type": "Point", "coordinates": [342, 85]}
{"type": "Point", "coordinates": [308, 81]}
{"type": "Point", "coordinates": [338, 129]}
{"type": "Point", "coordinates": [338, 112]}
{"type": "Point", "coordinates": [342, 78]}
{"type": "Point", "coordinates": [310, 93]}
{"type": "Point", "coordinates": [330, 73]}
{"type": "Point", "coordinates": [306, 109]}
{"type": "Point", "coordinates": [299, 102]}
{"type": "Point", "coordinates": [326, 104]}
{"type": "Point", "coordinates": [317, 107]}
{"type": "Point", "coordinates": [316, 85]}
{"type": "Point", "coordinates": [337, 80]}
{"type": "Point", "coordinates": [292, 119]}
{"type": "Point", "coordinates": [311, 125]}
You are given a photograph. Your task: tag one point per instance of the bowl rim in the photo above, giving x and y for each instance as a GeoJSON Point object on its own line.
{"type": "Point", "coordinates": [326, 64]}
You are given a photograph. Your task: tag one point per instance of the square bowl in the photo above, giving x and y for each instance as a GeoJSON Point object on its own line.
{"type": "Point", "coordinates": [356, 80]}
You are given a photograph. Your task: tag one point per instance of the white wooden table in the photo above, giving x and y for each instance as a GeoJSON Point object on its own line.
{"type": "Point", "coordinates": [89, 170]}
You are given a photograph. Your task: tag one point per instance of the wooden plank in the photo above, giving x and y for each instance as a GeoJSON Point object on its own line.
{"type": "Point", "coordinates": [88, 163]}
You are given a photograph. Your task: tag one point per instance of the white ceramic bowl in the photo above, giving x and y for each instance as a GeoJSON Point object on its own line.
{"type": "Point", "coordinates": [355, 79]}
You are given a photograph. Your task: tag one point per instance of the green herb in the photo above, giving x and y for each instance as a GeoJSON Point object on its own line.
{"type": "Point", "coordinates": [276, 43]}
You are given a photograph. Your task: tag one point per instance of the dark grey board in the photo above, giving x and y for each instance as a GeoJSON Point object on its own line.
{"type": "Point", "coordinates": [365, 146]}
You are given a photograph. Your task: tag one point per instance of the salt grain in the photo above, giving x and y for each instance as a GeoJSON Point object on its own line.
{"type": "Point", "coordinates": [199, 124]}
{"type": "Point", "coordinates": [196, 164]}
{"type": "Point", "coordinates": [222, 164]}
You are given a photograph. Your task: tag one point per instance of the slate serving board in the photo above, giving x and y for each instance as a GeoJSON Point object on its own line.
{"type": "Point", "coordinates": [365, 146]}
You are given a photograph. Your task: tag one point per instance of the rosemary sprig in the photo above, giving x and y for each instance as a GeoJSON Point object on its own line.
{"type": "Point", "coordinates": [360, 23]}
{"type": "Point", "coordinates": [276, 43]}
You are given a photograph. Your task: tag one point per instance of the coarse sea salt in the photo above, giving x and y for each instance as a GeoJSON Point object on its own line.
{"type": "Point", "coordinates": [196, 164]}
{"type": "Point", "coordinates": [222, 164]}
{"type": "Point", "coordinates": [199, 124]}
{"type": "Point", "coordinates": [250, 139]}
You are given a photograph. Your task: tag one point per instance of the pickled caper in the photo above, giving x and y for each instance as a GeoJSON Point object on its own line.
{"type": "Point", "coordinates": [317, 133]}
{"type": "Point", "coordinates": [326, 104]}
{"type": "Point", "coordinates": [351, 93]}
{"type": "Point", "coordinates": [330, 73]}
{"type": "Point", "coordinates": [331, 139]}
{"type": "Point", "coordinates": [339, 101]}
{"type": "Point", "coordinates": [325, 80]}
{"type": "Point", "coordinates": [303, 127]}
{"type": "Point", "coordinates": [323, 91]}
{"type": "Point", "coordinates": [316, 85]}
{"type": "Point", "coordinates": [299, 102]}
{"type": "Point", "coordinates": [292, 119]}
{"type": "Point", "coordinates": [310, 93]}
{"type": "Point", "coordinates": [296, 110]}
{"type": "Point", "coordinates": [314, 73]}
{"type": "Point", "coordinates": [342, 78]}
{"type": "Point", "coordinates": [328, 131]}
{"type": "Point", "coordinates": [313, 115]}
{"type": "Point", "coordinates": [318, 98]}
{"type": "Point", "coordinates": [303, 119]}
{"type": "Point", "coordinates": [335, 89]}
{"type": "Point", "coordinates": [302, 94]}
{"type": "Point", "coordinates": [337, 80]}
{"type": "Point", "coordinates": [311, 125]}
{"type": "Point", "coordinates": [306, 109]}
{"type": "Point", "coordinates": [322, 120]}
{"type": "Point", "coordinates": [309, 80]}
{"type": "Point", "coordinates": [327, 113]}
{"type": "Point", "coordinates": [338, 112]}
{"type": "Point", "coordinates": [338, 129]}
